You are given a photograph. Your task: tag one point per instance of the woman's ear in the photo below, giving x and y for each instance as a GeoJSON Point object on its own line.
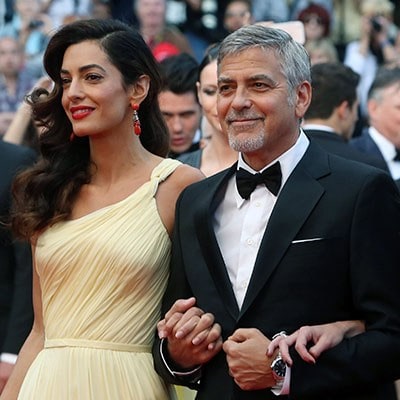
{"type": "Point", "coordinates": [140, 89]}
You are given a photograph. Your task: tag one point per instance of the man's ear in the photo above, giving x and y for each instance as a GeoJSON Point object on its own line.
{"type": "Point", "coordinates": [343, 109]}
{"type": "Point", "coordinates": [303, 98]}
{"type": "Point", "coordinates": [140, 89]}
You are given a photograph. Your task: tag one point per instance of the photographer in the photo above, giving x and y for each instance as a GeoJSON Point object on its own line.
{"type": "Point", "coordinates": [376, 46]}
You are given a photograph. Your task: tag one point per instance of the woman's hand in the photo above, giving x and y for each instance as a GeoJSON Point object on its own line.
{"type": "Point", "coordinates": [323, 337]}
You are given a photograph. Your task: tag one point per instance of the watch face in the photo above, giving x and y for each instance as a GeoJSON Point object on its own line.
{"type": "Point", "coordinates": [279, 367]}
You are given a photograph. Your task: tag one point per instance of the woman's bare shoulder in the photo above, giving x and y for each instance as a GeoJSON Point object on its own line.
{"type": "Point", "coordinates": [185, 175]}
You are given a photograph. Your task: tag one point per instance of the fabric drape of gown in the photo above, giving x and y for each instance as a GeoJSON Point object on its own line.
{"type": "Point", "coordinates": [102, 278]}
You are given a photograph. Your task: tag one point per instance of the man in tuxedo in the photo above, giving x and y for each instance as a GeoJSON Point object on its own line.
{"type": "Point", "coordinates": [333, 111]}
{"type": "Point", "coordinates": [16, 314]}
{"type": "Point", "coordinates": [382, 138]}
{"type": "Point", "coordinates": [179, 103]}
{"type": "Point", "coordinates": [289, 236]}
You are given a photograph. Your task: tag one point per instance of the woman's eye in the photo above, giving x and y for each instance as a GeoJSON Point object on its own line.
{"type": "Point", "coordinates": [93, 77]}
{"type": "Point", "coordinates": [210, 92]}
{"type": "Point", "coordinates": [65, 81]}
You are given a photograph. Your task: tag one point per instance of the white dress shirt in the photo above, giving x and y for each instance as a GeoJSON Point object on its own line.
{"type": "Point", "coordinates": [240, 224]}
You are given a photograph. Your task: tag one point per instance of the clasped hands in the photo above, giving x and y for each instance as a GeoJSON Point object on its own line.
{"type": "Point", "coordinates": [194, 338]}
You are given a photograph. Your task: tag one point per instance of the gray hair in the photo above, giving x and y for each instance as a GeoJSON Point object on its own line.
{"type": "Point", "coordinates": [292, 56]}
{"type": "Point", "coordinates": [384, 78]}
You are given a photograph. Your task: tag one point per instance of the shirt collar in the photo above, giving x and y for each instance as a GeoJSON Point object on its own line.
{"type": "Point", "coordinates": [318, 127]}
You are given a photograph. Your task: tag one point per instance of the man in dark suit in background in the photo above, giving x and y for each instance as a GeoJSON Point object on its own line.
{"type": "Point", "coordinates": [315, 242]}
{"type": "Point", "coordinates": [333, 111]}
{"type": "Point", "coordinates": [382, 138]}
{"type": "Point", "coordinates": [16, 314]}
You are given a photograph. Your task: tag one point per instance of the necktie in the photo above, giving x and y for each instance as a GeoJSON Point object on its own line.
{"type": "Point", "coordinates": [397, 156]}
{"type": "Point", "coordinates": [246, 182]}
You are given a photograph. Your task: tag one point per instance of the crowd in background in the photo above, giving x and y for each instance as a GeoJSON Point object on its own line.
{"type": "Point", "coordinates": [363, 35]}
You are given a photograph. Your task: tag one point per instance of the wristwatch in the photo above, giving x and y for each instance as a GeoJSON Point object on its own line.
{"type": "Point", "coordinates": [278, 368]}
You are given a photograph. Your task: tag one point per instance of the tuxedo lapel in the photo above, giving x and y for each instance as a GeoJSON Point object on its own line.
{"type": "Point", "coordinates": [208, 242]}
{"type": "Point", "coordinates": [295, 202]}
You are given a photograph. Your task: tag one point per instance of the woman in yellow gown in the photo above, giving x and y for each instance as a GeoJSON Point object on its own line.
{"type": "Point", "coordinates": [98, 209]}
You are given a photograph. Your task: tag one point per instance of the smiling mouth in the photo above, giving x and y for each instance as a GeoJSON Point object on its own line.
{"type": "Point", "coordinates": [244, 122]}
{"type": "Point", "coordinates": [81, 113]}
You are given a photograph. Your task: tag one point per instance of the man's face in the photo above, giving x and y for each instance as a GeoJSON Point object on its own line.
{"type": "Point", "coordinates": [237, 14]}
{"type": "Point", "coordinates": [182, 114]}
{"type": "Point", "coordinates": [11, 57]}
{"type": "Point", "coordinates": [255, 107]}
{"type": "Point", "coordinates": [385, 114]}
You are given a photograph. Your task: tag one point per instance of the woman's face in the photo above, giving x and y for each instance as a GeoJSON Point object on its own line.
{"type": "Point", "coordinates": [207, 93]}
{"type": "Point", "coordinates": [94, 97]}
{"type": "Point", "coordinates": [313, 27]}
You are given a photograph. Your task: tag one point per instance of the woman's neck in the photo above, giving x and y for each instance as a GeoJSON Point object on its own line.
{"type": "Point", "coordinates": [217, 155]}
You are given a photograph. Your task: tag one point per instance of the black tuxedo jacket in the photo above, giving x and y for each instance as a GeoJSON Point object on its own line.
{"type": "Point", "coordinates": [16, 313]}
{"type": "Point", "coordinates": [329, 253]}
{"type": "Point", "coordinates": [336, 144]}
{"type": "Point", "coordinates": [365, 144]}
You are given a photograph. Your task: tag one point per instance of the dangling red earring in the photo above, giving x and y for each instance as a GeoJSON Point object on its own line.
{"type": "Point", "coordinates": [136, 122]}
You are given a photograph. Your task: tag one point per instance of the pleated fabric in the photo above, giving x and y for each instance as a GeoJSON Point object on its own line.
{"type": "Point", "coordinates": [102, 278]}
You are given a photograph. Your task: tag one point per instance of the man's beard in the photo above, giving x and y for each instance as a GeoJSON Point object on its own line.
{"type": "Point", "coordinates": [248, 144]}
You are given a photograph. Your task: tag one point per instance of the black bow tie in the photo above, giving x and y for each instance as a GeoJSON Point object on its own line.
{"type": "Point", "coordinates": [397, 156]}
{"type": "Point", "coordinates": [246, 182]}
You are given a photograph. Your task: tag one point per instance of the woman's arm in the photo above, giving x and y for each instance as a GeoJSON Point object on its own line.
{"type": "Point", "coordinates": [323, 338]}
{"type": "Point", "coordinates": [23, 116]}
{"type": "Point", "coordinates": [19, 124]}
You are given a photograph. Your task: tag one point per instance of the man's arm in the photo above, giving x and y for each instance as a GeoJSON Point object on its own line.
{"type": "Point", "coordinates": [369, 359]}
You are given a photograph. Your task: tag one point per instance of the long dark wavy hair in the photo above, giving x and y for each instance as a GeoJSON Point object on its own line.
{"type": "Point", "coordinates": [45, 193]}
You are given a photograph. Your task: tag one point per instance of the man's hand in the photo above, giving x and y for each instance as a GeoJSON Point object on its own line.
{"type": "Point", "coordinates": [5, 372]}
{"type": "Point", "coordinates": [247, 360]}
{"type": "Point", "coordinates": [193, 336]}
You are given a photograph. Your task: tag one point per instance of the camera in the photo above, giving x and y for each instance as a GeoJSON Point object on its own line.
{"type": "Point", "coordinates": [34, 24]}
{"type": "Point", "coordinates": [376, 25]}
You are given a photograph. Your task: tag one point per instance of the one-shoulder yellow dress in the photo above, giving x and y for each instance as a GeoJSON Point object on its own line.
{"type": "Point", "coordinates": [102, 278]}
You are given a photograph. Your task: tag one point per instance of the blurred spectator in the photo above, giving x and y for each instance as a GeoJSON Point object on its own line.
{"type": "Point", "coordinates": [376, 46]}
{"type": "Point", "coordinates": [179, 103]}
{"type": "Point", "coordinates": [58, 10]}
{"type": "Point", "coordinates": [151, 15]}
{"type": "Point", "coordinates": [204, 24]}
{"type": "Point", "coordinates": [270, 10]}
{"type": "Point", "coordinates": [101, 9]}
{"type": "Point", "coordinates": [215, 153]}
{"type": "Point", "coordinates": [346, 26]}
{"type": "Point", "coordinates": [237, 14]}
{"type": "Point", "coordinates": [22, 129]}
{"type": "Point", "coordinates": [382, 137]}
{"type": "Point", "coordinates": [15, 80]}
{"type": "Point", "coordinates": [123, 10]}
{"type": "Point", "coordinates": [316, 20]}
{"type": "Point", "coordinates": [331, 117]}
{"type": "Point", "coordinates": [32, 28]}
{"type": "Point", "coordinates": [321, 51]}
{"type": "Point", "coordinates": [297, 6]}
{"type": "Point", "coordinates": [16, 313]}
